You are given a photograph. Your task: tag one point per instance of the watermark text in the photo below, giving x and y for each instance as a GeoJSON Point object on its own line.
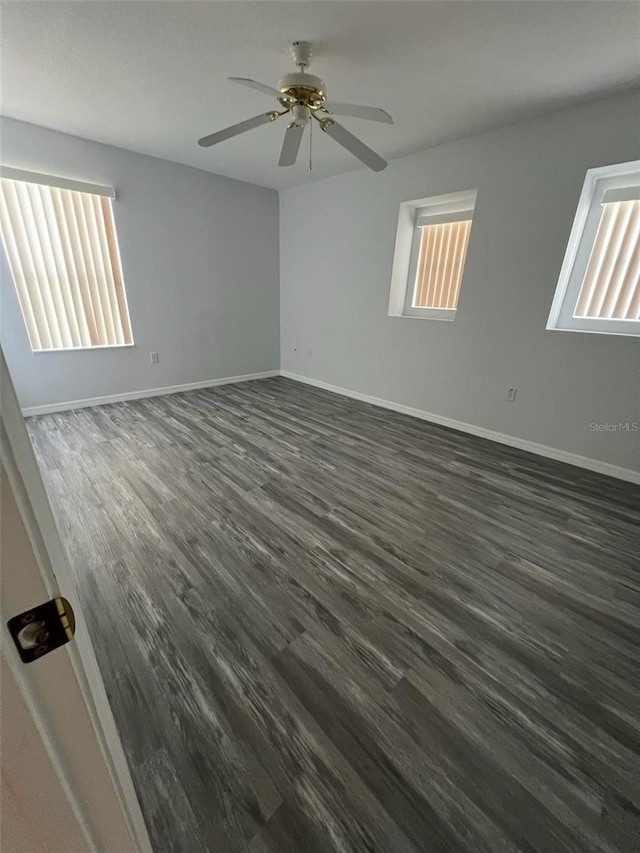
{"type": "Point", "coordinates": [618, 426]}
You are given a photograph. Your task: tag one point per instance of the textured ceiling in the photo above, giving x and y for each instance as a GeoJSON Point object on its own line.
{"type": "Point", "coordinates": [151, 76]}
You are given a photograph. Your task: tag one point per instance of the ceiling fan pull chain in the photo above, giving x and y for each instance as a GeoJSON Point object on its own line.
{"type": "Point", "coordinates": [310, 138]}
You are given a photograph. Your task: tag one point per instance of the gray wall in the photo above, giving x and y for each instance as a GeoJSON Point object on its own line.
{"type": "Point", "coordinates": [200, 260]}
{"type": "Point", "coordinates": [337, 241]}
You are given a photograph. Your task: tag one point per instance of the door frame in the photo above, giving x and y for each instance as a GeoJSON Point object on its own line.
{"type": "Point", "coordinates": [19, 461]}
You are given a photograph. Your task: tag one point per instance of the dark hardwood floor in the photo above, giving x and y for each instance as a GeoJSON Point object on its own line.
{"type": "Point", "coordinates": [324, 626]}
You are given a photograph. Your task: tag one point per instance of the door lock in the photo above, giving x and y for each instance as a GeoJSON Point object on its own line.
{"type": "Point", "coordinates": [42, 629]}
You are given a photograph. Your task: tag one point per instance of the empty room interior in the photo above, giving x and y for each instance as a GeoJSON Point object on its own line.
{"type": "Point", "coordinates": [323, 322]}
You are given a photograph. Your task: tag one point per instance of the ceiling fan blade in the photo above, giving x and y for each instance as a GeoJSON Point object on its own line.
{"type": "Point", "coordinates": [291, 144]}
{"type": "Point", "coordinates": [259, 87]}
{"type": "Point", "coordinates": [236, 129]}
{"type": "Point", "coordinates": [358, 111]}
{"type": "Point", "coordinates": [354, 145]}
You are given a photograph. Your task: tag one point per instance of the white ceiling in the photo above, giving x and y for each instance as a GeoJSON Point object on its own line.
{"type": "Point", "coordinates": [151, 76]}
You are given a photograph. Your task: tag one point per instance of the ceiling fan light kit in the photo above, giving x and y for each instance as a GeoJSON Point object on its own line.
{"type": "Point", "coordinates": [303, 97]}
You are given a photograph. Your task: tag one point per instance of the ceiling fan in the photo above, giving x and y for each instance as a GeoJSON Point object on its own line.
{"type": "Point", "coordinates": [303, 97]}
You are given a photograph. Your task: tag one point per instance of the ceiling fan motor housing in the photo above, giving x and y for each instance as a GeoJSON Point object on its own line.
{"type": "Point", "coordinates": [304, 88]}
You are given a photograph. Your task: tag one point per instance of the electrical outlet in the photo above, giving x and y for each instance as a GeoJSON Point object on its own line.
{"type": "Point", "coordinates": [155, 358]}
{"type": "Point", "coordinates": [511, 395]}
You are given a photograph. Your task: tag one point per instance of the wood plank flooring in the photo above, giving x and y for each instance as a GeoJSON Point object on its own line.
{"type": "Point", "coordinates": [324, 626]}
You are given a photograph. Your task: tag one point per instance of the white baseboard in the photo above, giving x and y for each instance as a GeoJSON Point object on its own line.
{"type": "Point", "coordinates": [48, 408]}
{"type": "Point", "coordinates": [502, 438]}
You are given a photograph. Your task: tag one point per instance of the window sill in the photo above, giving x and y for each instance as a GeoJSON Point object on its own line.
{"type": "Point", "coordinates": [617, 332]}
{"type": "Point", "coordinates": [437, 314]}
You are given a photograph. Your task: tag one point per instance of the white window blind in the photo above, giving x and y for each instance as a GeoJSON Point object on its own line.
{"type": "Point", "coordinates": [611, 285]}
{"type": "Point", "coordinates": [442, 253]}
{"type": "Point", "coordinates": [62, 250]}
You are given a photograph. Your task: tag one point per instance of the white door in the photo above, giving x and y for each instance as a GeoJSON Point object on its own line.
{"type": "Point", "coordinates": [66, 787]}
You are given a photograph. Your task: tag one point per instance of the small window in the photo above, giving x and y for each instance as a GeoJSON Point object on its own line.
{"type": "Point", "coordinates": [599, 285]}
{"type": "Point", "coordinates": [431, 249]}
{"type": "Point", "coordinates": [62, 250]}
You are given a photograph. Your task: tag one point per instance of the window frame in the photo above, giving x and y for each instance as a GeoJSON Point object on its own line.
{"type": "Point", "coordinates": [451, 207]}
{"type": "Point", "coordinates": [618, 182]}
{"type": "Point", "coordinates": [76, 186]}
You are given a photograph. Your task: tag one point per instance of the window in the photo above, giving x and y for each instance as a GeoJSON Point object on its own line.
{"type": "Point", "coordinates": [431, 249]}
{"type": "Point", "coordinates": [599, 285]}
{"type": "Point", "coordinates": [60, 242]}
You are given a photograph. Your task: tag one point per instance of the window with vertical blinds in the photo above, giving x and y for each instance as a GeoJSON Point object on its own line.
{"type": "Point", "coordinates": [599, 285]}
{"type": "Point", "coordinates": [441, 257]}
{"type": "Point", "coordinates": [63, 254]}
{"type": "Point", "coordinates": [432, 242]}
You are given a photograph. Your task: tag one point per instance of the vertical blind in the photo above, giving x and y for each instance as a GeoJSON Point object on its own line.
{"type": "Point", "coordinates": [611, 285]}
{"type": "Point", "coordinates": [62, 250]}
{"type": "Point", "coordinates": [443, 249]}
